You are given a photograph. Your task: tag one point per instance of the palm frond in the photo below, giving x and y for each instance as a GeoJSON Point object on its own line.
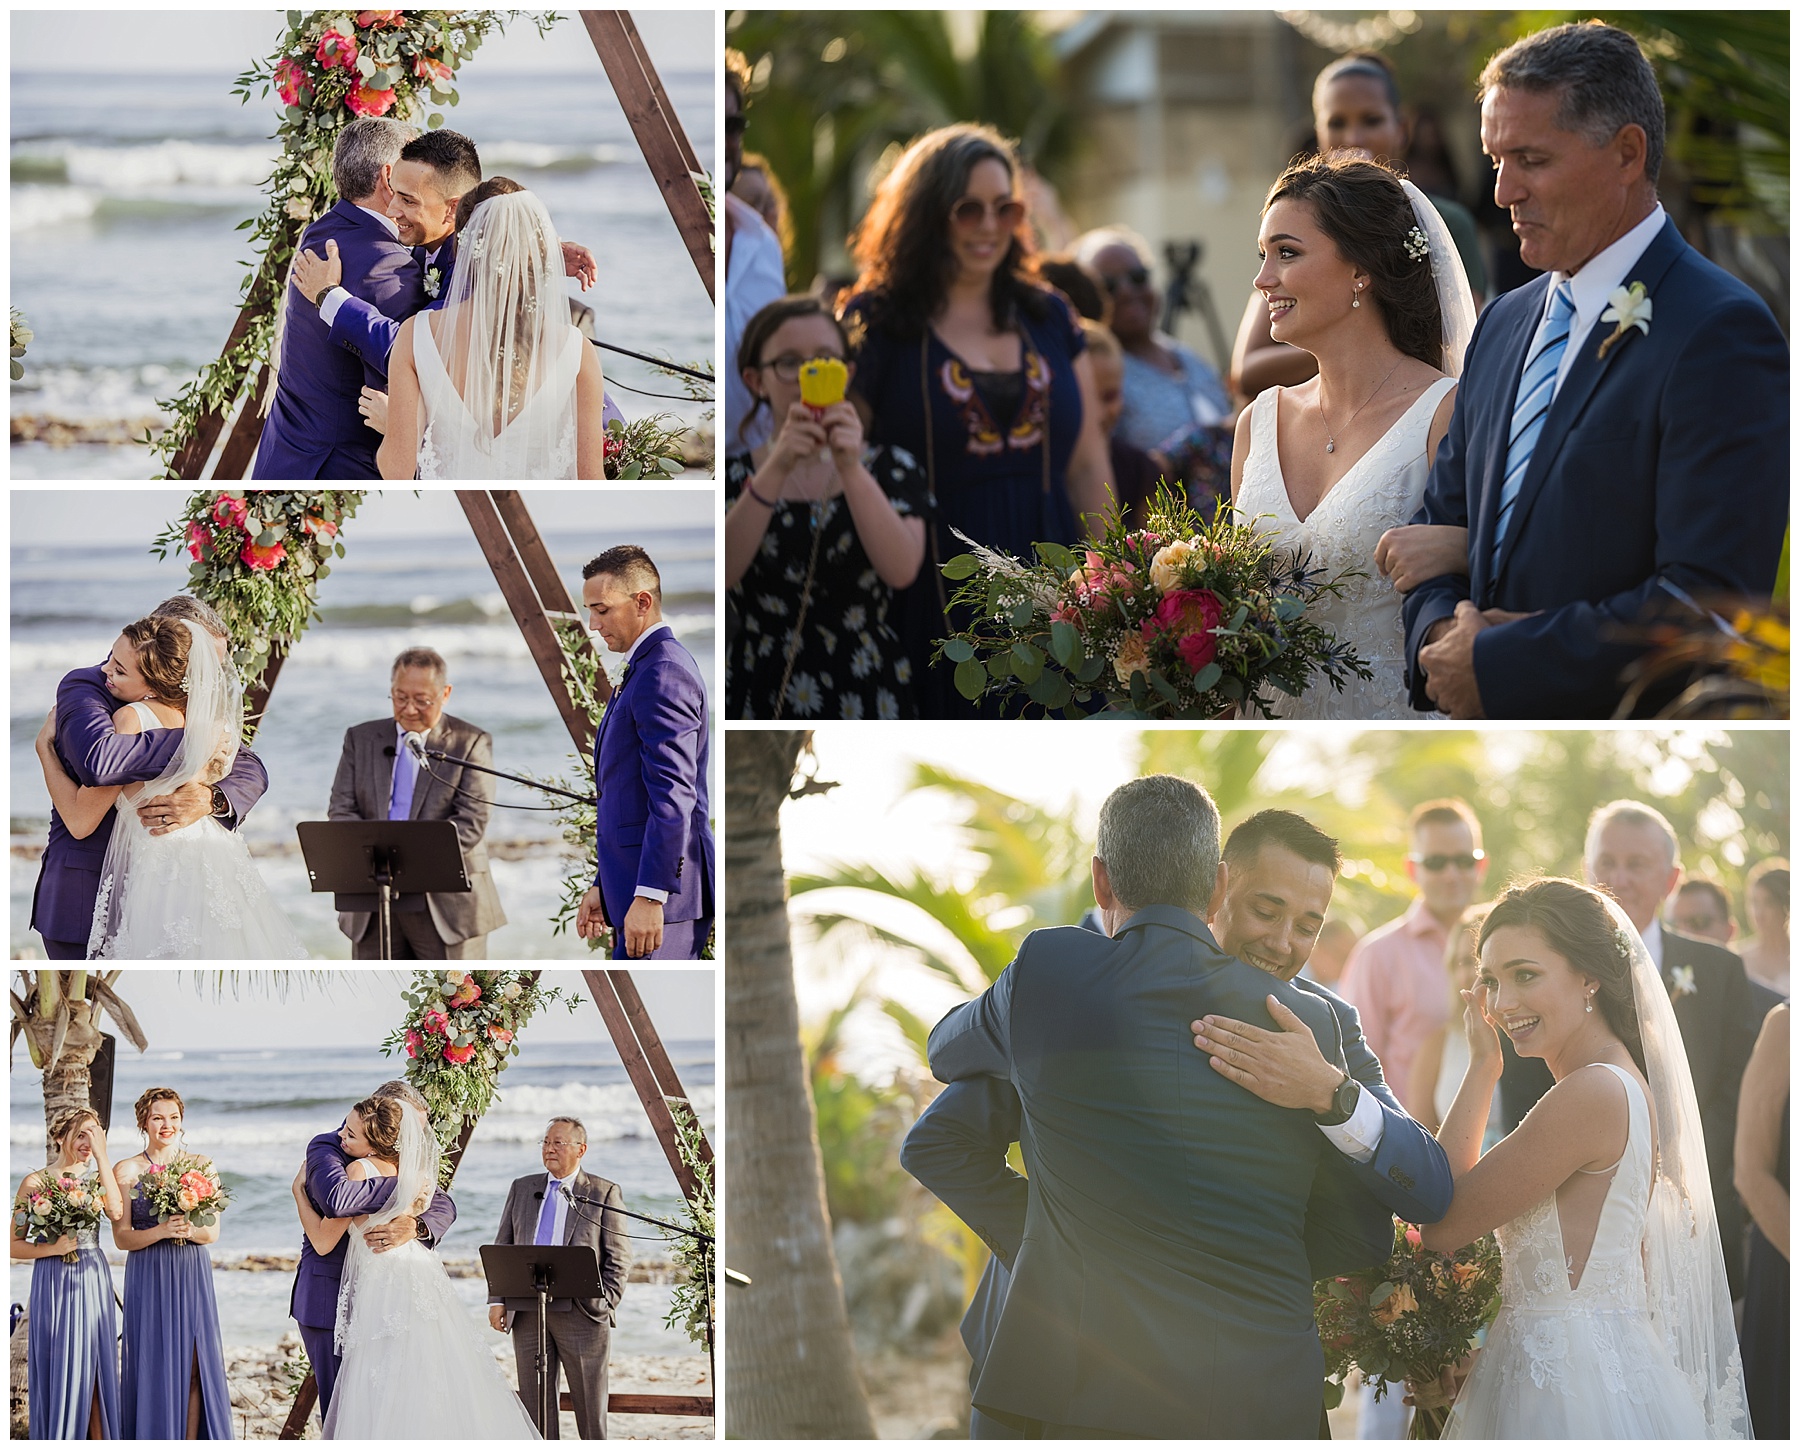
{"type": "Point", "coordinates": [120, 1011]}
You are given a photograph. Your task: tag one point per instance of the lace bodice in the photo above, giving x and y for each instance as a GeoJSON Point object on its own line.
{"type": "Point", "coordinates": [1381, 491]}
{"type": "Point", "coordinates": [538, 443]}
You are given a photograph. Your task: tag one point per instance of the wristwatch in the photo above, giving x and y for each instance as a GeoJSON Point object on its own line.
{"type": "Point", "coordinates": [421, 1230]}
{"type": "Point", "coordinates": [221, 804]}
{"type": "Point", "coordinates": [1343, 1103]}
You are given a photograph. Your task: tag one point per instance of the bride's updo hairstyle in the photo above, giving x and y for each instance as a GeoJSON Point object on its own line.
{"type": "Point", "coordinates": [162, 648]}
{"type": "Point", "coordinates": [1365, 212]}
{"type": "Point", "coordinates": [1575, 921]}
{"type": "Point", "coordinates": [68, 1124]}
{"type": "Point", "coordinates": [381, 1125]}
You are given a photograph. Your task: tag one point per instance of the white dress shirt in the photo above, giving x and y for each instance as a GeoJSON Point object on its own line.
{"type": "Point", "coordinates": [649, 893]}
{"type": "Point", "coordinates": [1358, 1138]}
{"type": "Point", "coordinates": [1653, 941]}
{"type": "Point", "coordinates": [1604, 273]}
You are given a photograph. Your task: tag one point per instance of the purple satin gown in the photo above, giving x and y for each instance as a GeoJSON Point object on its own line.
{"type": "Point", "coordinates": [171, 1324]}
{"type": "Point", "coordinates": [72, 1342]}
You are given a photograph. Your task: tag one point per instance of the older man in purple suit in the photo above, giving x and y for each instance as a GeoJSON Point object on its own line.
{"type": "Point", "coordinates": [62, 908]}
{"type": "Point", "coordinates": [315, 427]}
{"type": "Point", "coordinates": [313, 1304]}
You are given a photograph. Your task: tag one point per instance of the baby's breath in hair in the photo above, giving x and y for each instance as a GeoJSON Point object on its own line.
{"type": "Point", "coordinates": [1417, 247]}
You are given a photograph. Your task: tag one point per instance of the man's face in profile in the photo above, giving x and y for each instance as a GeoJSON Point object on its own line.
{"type": "Point", "coordinates": [1273, 908]}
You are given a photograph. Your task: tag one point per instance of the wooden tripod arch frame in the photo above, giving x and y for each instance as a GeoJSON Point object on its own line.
{"type": "Point", "coordinates": [665, 148]}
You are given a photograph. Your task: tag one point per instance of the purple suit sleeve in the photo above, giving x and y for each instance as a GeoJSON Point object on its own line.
{"type": "Point", "coordinates": [329, 1185]}
{"type": "Point", "coordinates": [438, 1217]}
{"type": "Point", "coordinates": [670, 716]}
{"type": "Point", "coordinates": [244, 787]}
{"type": "Point", "coordinates": [365, 330]}
{"type": "Point", "coordinates": [93, 751]}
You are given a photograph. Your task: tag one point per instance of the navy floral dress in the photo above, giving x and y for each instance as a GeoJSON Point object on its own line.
{"type": "Point", "coordinates": [848, 664]}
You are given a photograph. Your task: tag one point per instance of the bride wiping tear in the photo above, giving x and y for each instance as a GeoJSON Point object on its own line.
{"type": "Point", "coordinates": [497, 383]}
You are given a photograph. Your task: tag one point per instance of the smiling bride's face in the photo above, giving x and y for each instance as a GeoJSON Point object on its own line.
{"type": "Point", "coordinates": [1308, 284]}
{"type": "Point", "coordinates": [124, 680]}
{"type": "Point", "coordinates": [353, 1137]}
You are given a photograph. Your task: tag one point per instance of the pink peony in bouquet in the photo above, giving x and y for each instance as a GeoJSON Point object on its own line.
{"type": "Point", "coordinates": [187, 1186]}
{"type": "Point", "coordinates": [1187, 618]}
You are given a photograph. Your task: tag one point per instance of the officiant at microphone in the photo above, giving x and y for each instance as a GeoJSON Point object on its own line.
{"type": "Point", "coordinates": [381, 776]}
{"type": "Point", "coordinates": [565, 1205]}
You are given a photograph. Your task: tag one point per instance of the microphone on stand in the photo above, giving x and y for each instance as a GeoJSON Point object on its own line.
{"type": "Point", "coordinates": [415, 745]}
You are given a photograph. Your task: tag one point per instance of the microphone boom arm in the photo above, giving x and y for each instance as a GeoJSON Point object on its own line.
{"type": "Point", "coordinates": [504, 775]}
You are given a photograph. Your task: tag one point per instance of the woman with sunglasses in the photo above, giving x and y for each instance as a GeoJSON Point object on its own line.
{"type": "Point", "coordinates": [972, 366]}
{"type": "Point", "coordinates": [820, 530]}
{"type": "Point", "coordinates": [1170, 390]}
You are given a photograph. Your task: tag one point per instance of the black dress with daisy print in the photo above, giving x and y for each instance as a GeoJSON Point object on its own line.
{"type": "Point", "coordinates": [848, 664]}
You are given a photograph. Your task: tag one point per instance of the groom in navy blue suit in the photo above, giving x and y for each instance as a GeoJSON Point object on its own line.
{"type": "Point", "coordinates": [1619, 447]}
{"type": "Point", "coordinates": [654, 885]}
{"type": "Point", "coordinates": [315, 427]}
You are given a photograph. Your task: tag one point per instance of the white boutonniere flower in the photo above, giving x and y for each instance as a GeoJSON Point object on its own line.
{"type": "Point", "coordinates": [1681, 983]}
{"type": "Point", "coordinates": [434, 281]}
{"type": "Point", "coordinates": [1628, 307]}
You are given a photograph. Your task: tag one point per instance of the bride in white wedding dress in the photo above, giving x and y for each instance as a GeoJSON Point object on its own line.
{"type": "Point", "coordinates": [497, 383]}
{"type": "Point", "coordinates": [415, 1365]}
{"type": "Point", "coordinates": [1359, 271]}
{"type": "Point", "coordinates": [1615, 1320]}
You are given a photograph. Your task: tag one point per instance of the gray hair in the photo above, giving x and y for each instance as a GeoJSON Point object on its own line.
{"type": "Point", "coordinates": [1159, 842]}
{"type": "Point", "coordinates": [405, 1092]}
{"type": "Point", "coordinates": [185, 606]}
{"type": "Point", "coordinates": [1631, 813]}
{"type": "Point", "coordinates": [363, 147]}
{"type": "Point", "coordinates": [417, 657]}
{"type": "Point", "coordinates": [1606, 83]}
{"type": "Point", "coordinates": [1091, 244]}
{"type": "Point", "coordinates": [580, 1132]}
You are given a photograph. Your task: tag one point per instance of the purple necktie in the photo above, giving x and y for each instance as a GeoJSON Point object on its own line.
{"type": "Point", "coordinates": [547, 1219]}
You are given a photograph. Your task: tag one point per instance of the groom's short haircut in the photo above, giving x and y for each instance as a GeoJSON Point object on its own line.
{"type": "Point", "coordinates": [1632, 813]}
{"type": "Point", "coordinates": [185, 606]}
{"type": "Point", "coordinates": [363, 147]}
{"type": "Point", "coordinates": [417, 657]}
{"type": "Point", "coordinates": [451, 155]}
{"type": "Point", "coordinates": [404, 1091]}
{"type": "Point", "coordinates": [1159, 842]}
{"type": "Point", "coordinates": [1287, 830]}
{"type": "Point", "coordinates": [628, 564]}
{"type": "Point", "coordinates": [1446, 812]}
{"type": "Point", "coordinates": [1606, 83]}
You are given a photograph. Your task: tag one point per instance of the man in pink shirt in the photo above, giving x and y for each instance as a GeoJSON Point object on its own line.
{"type": "Point", "coordinates": [1395, 977]}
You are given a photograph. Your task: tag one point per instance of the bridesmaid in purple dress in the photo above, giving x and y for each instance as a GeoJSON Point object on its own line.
{"type": "Point", "coordinates": [172, 1386]}
{"type": "Point", "coordinates": [73, 1369]}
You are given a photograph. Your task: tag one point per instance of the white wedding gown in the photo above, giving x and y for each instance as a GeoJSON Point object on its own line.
{"type": "Point", "coordinates": [193, 893]}
{"type": "Point", "coordinates": [1381, 491]}
{"type": "Point", "coordinates": [1582, 1363]}
{"type": "Point", "coordinates": [538, 443]}
{"type": "Point", "coordinates": [415, 1367]}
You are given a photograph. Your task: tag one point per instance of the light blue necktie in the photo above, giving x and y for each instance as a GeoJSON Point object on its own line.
{"type": "Point", "coordinates": [547, 1219]}
{"type": "Point", "coordinates": [406, 777]}
{"type": "Point", "coordinates": [1537, 389]}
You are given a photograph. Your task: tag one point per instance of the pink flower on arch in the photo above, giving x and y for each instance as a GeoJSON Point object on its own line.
{"type": "Point", "coordinates": [260, 558]}
{"type": "Point", "coordinates": [468, 994]}
{"type": "Point", "coordinates": [435, 1021]}
{"type": "Point", "coordinates": [412, 1043]}
{"type": "Point", "coordinates": [379, 19]}
{"type": "Point", "coordinates": [500, 1034]}
{"type": "Point", "coordinates": [428, 69]}
{"type": "Point", "coordinates": [460, 1055]}
{"type": "Point", "coordinates": [231, 510]}
{"type": "Point", "coordinates": [367, 101]}
{"type": "Point", "coordinates": [335, 50]}
{"type": "Point", "coordinates": [292, 83]}
{"type": "Point", "coordinates": [199, 537]}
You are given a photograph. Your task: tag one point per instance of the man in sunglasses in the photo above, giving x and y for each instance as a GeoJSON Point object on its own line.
{"type": "Point", "coordinates": [1395, 975]}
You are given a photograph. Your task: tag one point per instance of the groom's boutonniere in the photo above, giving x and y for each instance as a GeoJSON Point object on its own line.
{"type": "Point", "coordinates": [1628, 307]}
{"type": "Point", "coordinates": [1681, 983]}
{"type": "Point", "coordinates": [434, 281]}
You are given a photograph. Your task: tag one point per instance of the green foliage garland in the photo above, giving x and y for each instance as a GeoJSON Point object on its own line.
{"type": "Point", "coordinates": [690, 1304]}
{"type": "Point", "coordinates": [331, 66]}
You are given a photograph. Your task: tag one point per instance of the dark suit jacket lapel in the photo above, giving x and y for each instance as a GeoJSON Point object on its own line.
{"type": "Point", "coordinates": [436, 738]}
{"type": "Point", "coordinates": [1583, 377]}
{"type": "Point", "coordinates": [1523, 328]}
{"type": "Point", "coordinates": [381, 735]}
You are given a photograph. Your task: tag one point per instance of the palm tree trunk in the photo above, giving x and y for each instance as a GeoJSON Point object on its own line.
{"type": "Point", "coordinates": [792, 1369]}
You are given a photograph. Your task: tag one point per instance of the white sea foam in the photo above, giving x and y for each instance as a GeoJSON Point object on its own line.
{"type": "Point", "coordinates": [168, 163]}
{"type": "Point", "coordinates": [36, 206]}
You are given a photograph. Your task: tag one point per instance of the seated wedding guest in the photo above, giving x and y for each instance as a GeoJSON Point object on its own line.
{"type": "Point", "coordinates": [820, 530]}
{"type": "Point", "coordinates": [1079, 284]}
{"type": "Point", "coordinates": [566, 1205]}
{"type": "Point", "coordinates": [1356, 109]}
{"type": "Point", "coordinates": [973, 367]}
{"type": "Point", "coordinates": [1135, 473]}
{"type": "Point", "coordinates": [758, 184]}
{"type": "Point", "coordinates": [1330, 952]}
{"type": "Point", "coordinates": [1701, 909]}
{"type": "Point", "coordinates": [379, 778]}
{"type": "Point", "coordinates": [754, 274]}
{"type": "Point", "coordinates": [1761, 1175]}
{"type": "Point", "coordinates": [72, 1330]}
{"type": "Point", "coordinates": [652, 822]}
{"type": "Point", "coordinates": [172, 1381]}
{"type": "Point", "coordinates": [1766, 951]}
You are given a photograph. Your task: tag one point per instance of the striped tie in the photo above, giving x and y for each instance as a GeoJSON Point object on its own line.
{"type": "Point", "coordinates": [1537, 389]}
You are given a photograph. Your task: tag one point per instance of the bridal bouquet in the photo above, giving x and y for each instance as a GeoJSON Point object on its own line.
{"type": "Point", "coordinates": [1186, 618]}
{"type": "Point", "coordinates": [1409, 1319]}
{"type": "Point", "coordinates": [187, 1186]}
{"type": "Point", "coordinates": [62, 1204]}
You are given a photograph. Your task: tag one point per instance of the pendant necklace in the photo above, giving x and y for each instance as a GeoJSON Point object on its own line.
{"type": "Point", "coordinates": [1319, 403]}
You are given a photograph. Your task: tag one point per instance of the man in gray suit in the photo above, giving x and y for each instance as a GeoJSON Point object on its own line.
{"type": "Point", "coordinates": [565, 1205]}
{"type": "Point", "coordinates": [378, 779]}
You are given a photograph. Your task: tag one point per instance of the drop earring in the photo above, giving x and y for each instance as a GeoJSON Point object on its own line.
{"type": "Point", "coordinates": [1356, 301]}
{"type": "Point", "coordinates": [1590, 1004]}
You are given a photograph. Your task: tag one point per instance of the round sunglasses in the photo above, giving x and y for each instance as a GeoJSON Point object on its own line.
{"type": "Point", "coordinates": [1464, 861]}
{"type": "Point", "coordinates": [971, 211]}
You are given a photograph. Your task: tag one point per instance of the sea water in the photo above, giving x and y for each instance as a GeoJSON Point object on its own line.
{"type": "Point", "coordinates": [68, 603]}
{"type": "Point", "coordinates": [126, 261]}
{"type": "Point", "coordinates": [253, 1112]}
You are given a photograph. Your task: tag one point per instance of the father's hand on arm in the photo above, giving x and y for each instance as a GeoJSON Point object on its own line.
{"type": "Point", "coordinates": [1448, 658]}
{"type": "Point", "coordinates": [314, 276]}
{"type": "Point", "coordinates": [1283, 1067]}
